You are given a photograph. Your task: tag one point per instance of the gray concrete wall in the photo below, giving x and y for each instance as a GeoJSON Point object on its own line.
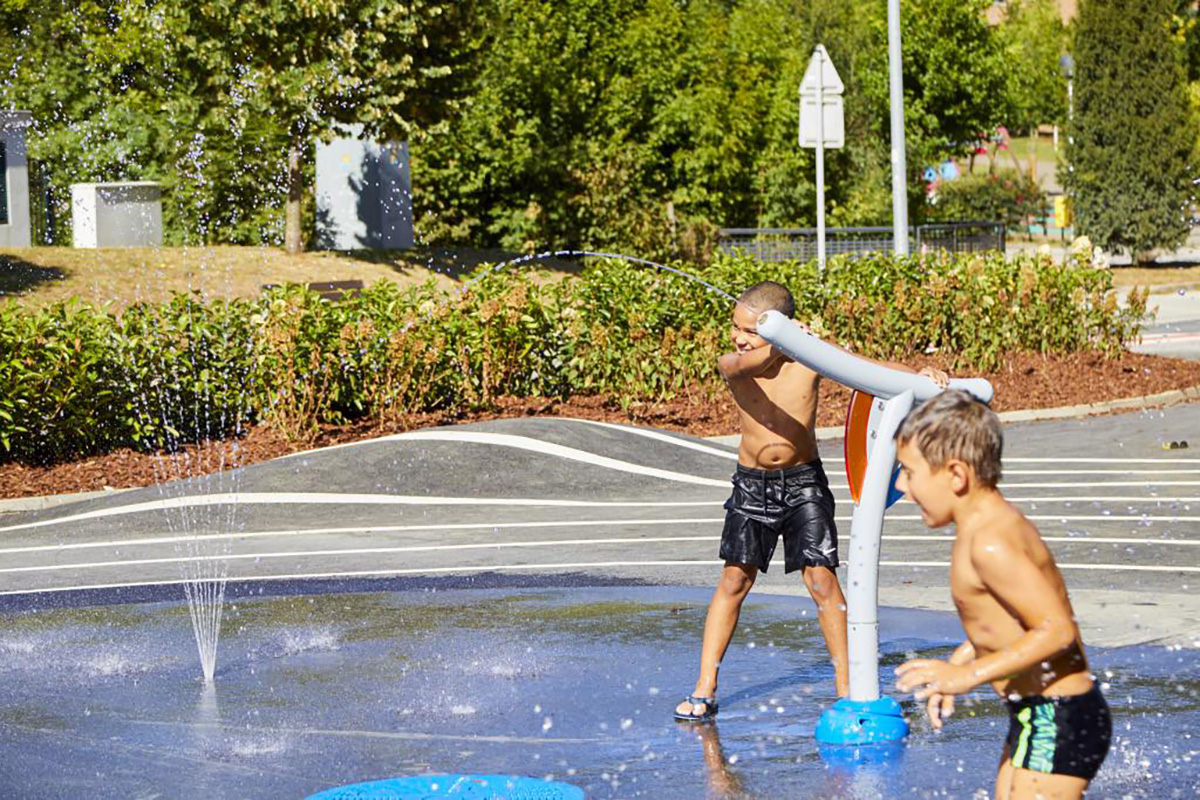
{"type": "Point", "coordinates": [13, 127]}
{"type": "Point", "coordinates": [364, 195]}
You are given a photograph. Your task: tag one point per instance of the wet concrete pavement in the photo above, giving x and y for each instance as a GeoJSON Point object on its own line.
{"type": "Point", "coordinates": [565, 496]}
{"type": "Point", "coordinates": [349, 681]}
{"type": "Point", "coordinates": [527, 596]}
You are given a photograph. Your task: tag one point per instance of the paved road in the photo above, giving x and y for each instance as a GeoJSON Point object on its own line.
{"type": "Point", "coordinates": [553, 496]}
{"type": "Point", "coordinates": [1176, 327]}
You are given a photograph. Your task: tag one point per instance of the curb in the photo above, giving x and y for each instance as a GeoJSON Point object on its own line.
{"type": "Point", "coordinates": [1171, 398]}
{"type": "Point", "coordinates": [51, 500]}
{"type": "Point", "coordinates": [1161, 400]}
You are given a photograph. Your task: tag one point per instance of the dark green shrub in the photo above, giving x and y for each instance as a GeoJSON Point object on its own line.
{"type": "Point", "coordinates": [78, 379]}
{"type": "Point", "coordinates": [1007, 196]}
{"type": "Point", "coordinates": [1133, 131]}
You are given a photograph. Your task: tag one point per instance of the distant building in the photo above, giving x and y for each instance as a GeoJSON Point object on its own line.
{"type": "Point", "coordinates": [14, 180]}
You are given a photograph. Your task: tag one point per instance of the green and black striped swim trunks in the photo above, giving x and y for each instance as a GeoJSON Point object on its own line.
{"type": "Point", "coordinates": [1060, 735]}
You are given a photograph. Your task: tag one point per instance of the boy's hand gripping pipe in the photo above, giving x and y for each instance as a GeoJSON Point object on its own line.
{"type": "Point", "coordinates": [865, 716]}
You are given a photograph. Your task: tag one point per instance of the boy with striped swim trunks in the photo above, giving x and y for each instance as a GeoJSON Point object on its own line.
{"type": "Point", "coordinates": [1021, 631]}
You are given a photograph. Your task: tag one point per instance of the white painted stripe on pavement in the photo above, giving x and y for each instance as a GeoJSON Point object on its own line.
{"type": "Point", "coordinates": [519, 567]}
{"type": "Point", "coordinates": [1052, 499]}
{"type": "Point", "coordinates": [334, 498]}
{"type": "Point", "coordinates": [650, 433]}
{"type": "Point", "coordinates": [1116, 460]}
{"type": "Point", "coordinates": [437, 548]}
{"type": "Point", "coordinates": [1095, 484]}
{"type": "Point", "coordinates": [1102, 472]}
{"type": "Point", "coordinates": [1113, 567]}
{"type": "Point", "coordinates": [532, 445]}
{"type": "Point", "coordinates": [197, 537]}
{"type": "Point", "coordinates": [285, 533]}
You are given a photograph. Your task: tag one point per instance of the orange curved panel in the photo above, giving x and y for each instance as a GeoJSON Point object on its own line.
{"type": "Point", "coordinates": [858, 417]}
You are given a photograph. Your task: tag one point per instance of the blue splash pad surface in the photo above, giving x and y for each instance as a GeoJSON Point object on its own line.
{"type": "Point", "coordinates": [566, 683]}
{"type": "Point", "coordinates": [462, 787]}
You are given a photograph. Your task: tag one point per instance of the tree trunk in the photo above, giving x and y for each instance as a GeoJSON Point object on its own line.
{"type": "Point", "coordinates": [293, 236]}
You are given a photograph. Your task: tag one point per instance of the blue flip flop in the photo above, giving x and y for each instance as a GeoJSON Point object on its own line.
{"type": "Point", "coordinates": [710, 709]}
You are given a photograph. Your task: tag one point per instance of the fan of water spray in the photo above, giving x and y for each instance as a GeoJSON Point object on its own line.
{"type": "Point", "coordinates": [594, 254]}
{"type": "Point", "coordinates": [212, 465]}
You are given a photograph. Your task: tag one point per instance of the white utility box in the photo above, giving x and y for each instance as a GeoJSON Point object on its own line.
{"type": "Point", "coordinates": [116, 214]}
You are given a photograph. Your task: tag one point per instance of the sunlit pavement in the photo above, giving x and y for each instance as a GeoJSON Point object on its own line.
{"type": "Point", "coordinates": [406, 605]}
{"type": "Point", "coordinates": [1175, 330]}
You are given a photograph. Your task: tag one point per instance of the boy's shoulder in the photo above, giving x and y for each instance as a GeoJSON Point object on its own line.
{"type": "Point", "coordinates": [794, 372]}
{"type": "Point", "coordinates": [998, 539]}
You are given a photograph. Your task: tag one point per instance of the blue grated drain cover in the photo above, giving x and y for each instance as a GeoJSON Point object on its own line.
{"type": "Point", "coordinates": [461, 787]}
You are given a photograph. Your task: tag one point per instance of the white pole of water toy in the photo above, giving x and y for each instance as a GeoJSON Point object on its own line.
{"type": "Point", "coordinates": [866, 530]}
{"type": "Point", "coordinates": [865, 716]}
{"type": "Point", "coordinates": [850, 370]}
{"type": "Point", "coordinates": [899, 179]}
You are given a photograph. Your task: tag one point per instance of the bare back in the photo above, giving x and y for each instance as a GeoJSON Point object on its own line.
{"type": "Point", "coordinates": [778, 411]}
{"type": "Point", "coordinates": [992, 625]}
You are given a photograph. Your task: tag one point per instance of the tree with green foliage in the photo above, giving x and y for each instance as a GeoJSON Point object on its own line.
{"type": "Point", "coordinates": [91, 122]}
{"type": "Point", "coordinates": [312, 66]}
{"type": "Point", "coordinates": [642, 124]}
{"type": "Point", "coordinates": [221, 100]}
{"type": "Point", "coordinates": [1033, 39]}
{"type": "Point", "coordinates": [1133, 132]}
{"type": "Point", "coordinates": [955, 90]}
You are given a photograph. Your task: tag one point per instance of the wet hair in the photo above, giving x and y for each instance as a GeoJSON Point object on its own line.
{"type": "Point", "coordinates": [953, 424]}
{"type": "Point", "coordinates": [769, 296]}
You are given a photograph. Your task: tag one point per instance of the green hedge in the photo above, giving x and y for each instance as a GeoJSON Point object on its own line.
{"type": "Point", "coordinates": [78, 379]}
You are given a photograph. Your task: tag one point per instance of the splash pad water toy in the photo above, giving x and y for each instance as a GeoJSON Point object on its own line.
{"type": "Point", "coordinates": [883, 397]}
{"type": "Point", "coordinates": [464, 787]}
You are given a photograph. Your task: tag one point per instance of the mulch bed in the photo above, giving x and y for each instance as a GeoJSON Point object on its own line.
{"type": "Point", "coordinates": [1023, 382]}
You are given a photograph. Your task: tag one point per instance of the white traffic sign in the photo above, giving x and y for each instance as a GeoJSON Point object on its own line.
{"type": "Point", "coordinates": [820, 75]}
{"type": "Point", "coordinates": [822, 124]}
{"type": "Point", "coordinates": [828, 128]}
{"type": "Point", "coordinates": [822, 120]}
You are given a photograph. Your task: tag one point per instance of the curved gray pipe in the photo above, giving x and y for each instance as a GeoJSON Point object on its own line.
{"type": "Point", "coordinates": [850, 370]}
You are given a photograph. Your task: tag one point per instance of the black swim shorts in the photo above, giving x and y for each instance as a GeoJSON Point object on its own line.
{"type": "Point", "coordinates": [1060, 735]}
{"type": "Point", "coordinates": [794, 503]}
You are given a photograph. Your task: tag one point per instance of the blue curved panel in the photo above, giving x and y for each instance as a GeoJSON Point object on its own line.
{"type": "Point", "coordinates": [459, 787]}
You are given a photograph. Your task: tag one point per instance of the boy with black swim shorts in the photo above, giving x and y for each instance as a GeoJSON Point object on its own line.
{"type": "Point", "coordinates": [1021, 631]}
{"type": "Point", "coordinates": [779, 489]}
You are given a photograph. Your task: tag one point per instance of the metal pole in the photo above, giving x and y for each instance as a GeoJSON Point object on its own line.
{"type": "Point", "coordinates": [1070, 112]}
{"type": "Point", "coordinates": [820, 162]}
{"type": "Point", "coordinates": [896, 84]}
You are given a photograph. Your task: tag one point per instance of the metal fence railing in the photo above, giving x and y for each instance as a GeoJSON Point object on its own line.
{"type": "Point", "coordinates": [800, 244]}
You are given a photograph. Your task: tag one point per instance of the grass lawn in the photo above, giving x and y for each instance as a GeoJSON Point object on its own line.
{"type": "Point", "coordinates": [42, 275]}
{"type": "Point", "coordinates": [1044, 147]}
{"type": "Point", "coordinates": [1164, 276]}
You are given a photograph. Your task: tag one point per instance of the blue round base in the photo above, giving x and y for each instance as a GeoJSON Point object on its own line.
{"type": "Point", "coordinates": [462, 787]}
{"type": "Point", "coordinates": [856, 758]}
{"type": "Point", "coordinates": [862, 722]}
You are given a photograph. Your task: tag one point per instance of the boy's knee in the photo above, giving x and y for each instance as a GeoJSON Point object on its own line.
{"type": "Point", "coordinates": [821, 582]}
{"type": "Point", "coordinates": [735, 582]}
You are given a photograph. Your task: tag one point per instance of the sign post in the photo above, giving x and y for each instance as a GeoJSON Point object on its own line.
{"type": "Point", "coordinates": [822, 124]}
